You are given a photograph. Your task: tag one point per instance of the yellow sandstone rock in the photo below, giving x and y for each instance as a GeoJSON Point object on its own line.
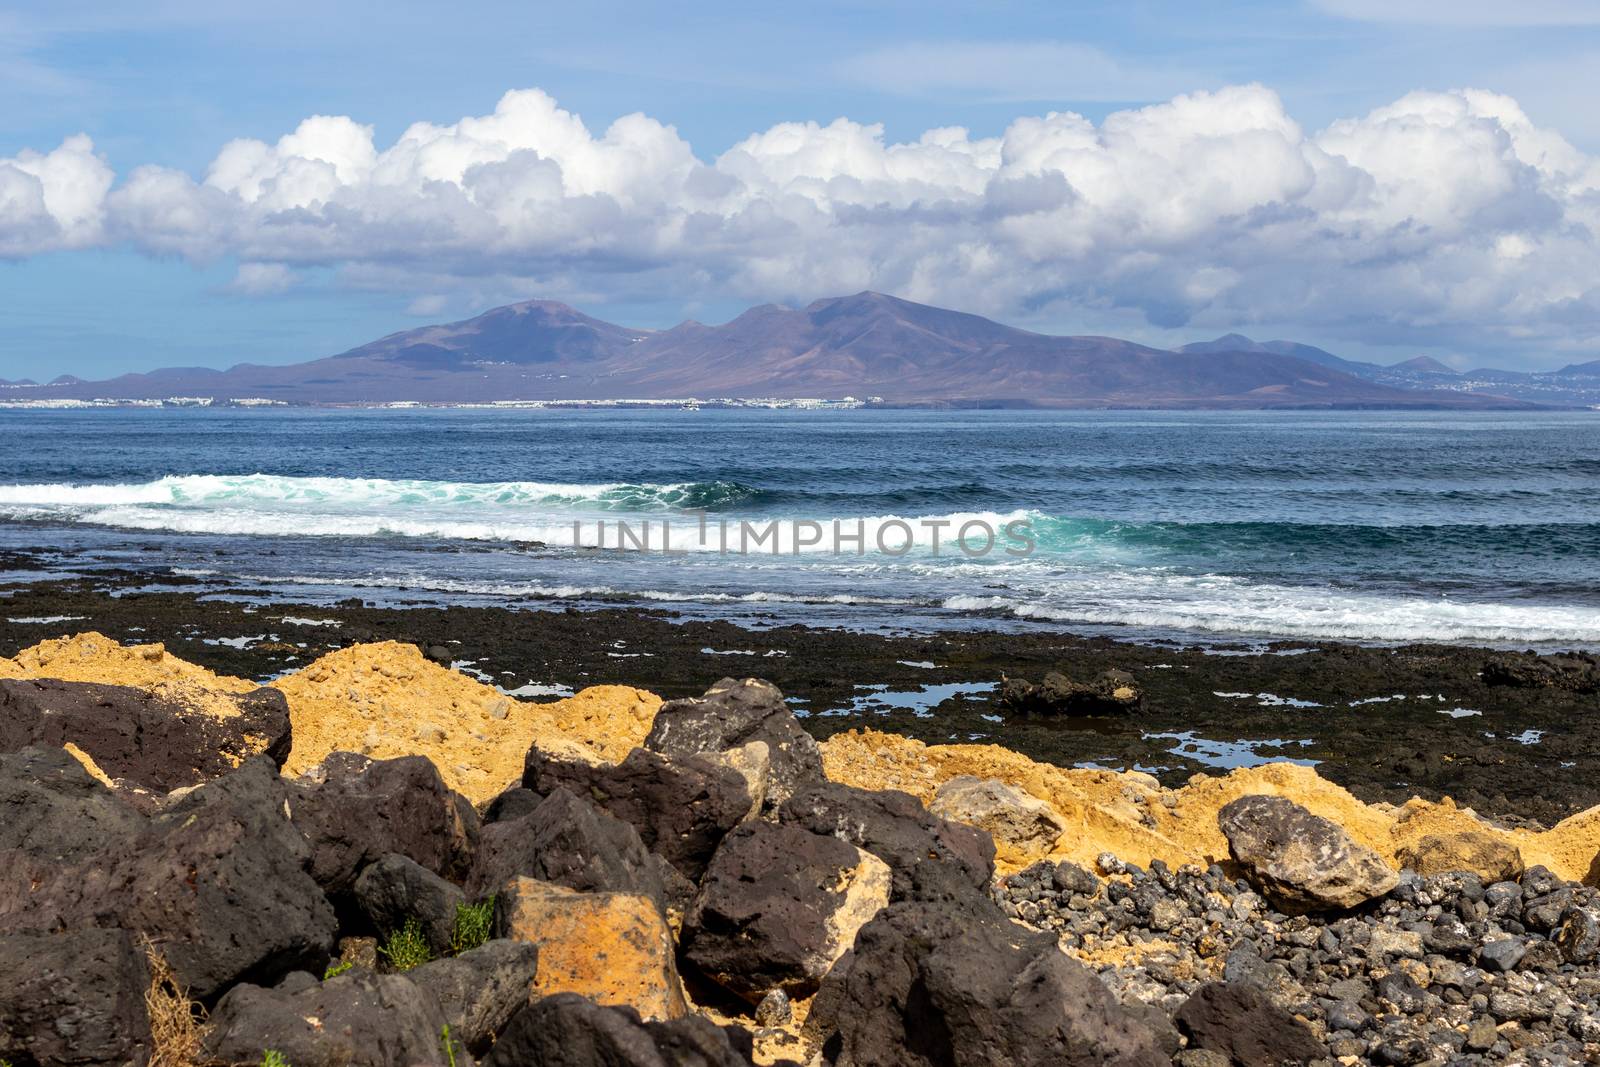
{"type": "Point", "coordinates": [94, 657]}
{"type": "Point", "coordinates": [386, 700]}
{"type": "Point", "coordinates": [613, 948]}
{"type": "Point", "coordinates": [1135, 819]}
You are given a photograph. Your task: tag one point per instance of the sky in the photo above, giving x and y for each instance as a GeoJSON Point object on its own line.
{"type": "Point", "coordinates": [183, 185]}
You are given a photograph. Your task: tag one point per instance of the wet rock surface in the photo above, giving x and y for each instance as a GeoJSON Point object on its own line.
{"type": "Point", "coordinates": [1377, 724]}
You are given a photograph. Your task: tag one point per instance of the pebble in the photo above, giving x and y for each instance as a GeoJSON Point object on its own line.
{"type": "Point", "coordinates": [1445, 970]}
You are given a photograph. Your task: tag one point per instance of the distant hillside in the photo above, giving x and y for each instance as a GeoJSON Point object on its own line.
{"type": "Point", "coordinates": [866, 345]}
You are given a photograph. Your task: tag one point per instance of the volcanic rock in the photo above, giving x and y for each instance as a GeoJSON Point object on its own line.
{"type": "Point", "coordinates": [353, 810]}
{"type": "Point", "coordinates": [565, 1030]}
{"type": "Point", "coordinates": [394, 888]}
{"type": "Point", "coordinates": [149, 739]}
{"type": "Point", "coordinates": [569, 842]}
{"type": "Point", "coordinates": [52, 809]}
{"type": "Point", "coordinates": [217, 879]}
{"type": "Point", "coordinates": [1110, 693]}
{"type": "Point", "coordinates": [73, 998]}
{"type": "Point", "coordinates": [730, 715]}
{"type": "Point", "coordinates": [1008, 814]}
{"type": "Point", "coordinates": [942, 985]}
{"type": "Point", "coordinates": [778, 906]}
{"type": "Point", "coordinates": [1301, 861]}
{"type": "Point", "coordinates": [1238, 1021]}
{"type": "Point", "coordinates": [481, 989]}
{"type": "Point", "coordinates": [931, 858]}
{"type": "Point", "coordinates": [358, 1019]}
{"type": "Point", "coordinates": [681, 807]}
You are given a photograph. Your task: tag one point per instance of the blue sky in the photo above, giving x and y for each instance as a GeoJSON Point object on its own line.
{"type": "Point", "coordinates": [1156, 231]}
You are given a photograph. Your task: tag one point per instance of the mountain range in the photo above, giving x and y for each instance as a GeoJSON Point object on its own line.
{"type": "Point", "coordinates": [866, 345]}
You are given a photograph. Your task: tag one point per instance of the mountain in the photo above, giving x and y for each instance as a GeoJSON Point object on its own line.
{"type": "Point", "coordinates": [1425, 365]}
{"type": "Point", "coordinates": [534, 331]}
{"type": "Point", "coordinates": [1590, 369]}
{"type": "Point", "coordinates": [1238, 342]}
{"type": "Point", "coordinates": [866, 345]}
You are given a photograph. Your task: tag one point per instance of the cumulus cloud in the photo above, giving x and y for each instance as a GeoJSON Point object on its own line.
{"type": "Point", "coordinates": [1442, 216]}
{"type": "Point", "coordinates": [52, 200]}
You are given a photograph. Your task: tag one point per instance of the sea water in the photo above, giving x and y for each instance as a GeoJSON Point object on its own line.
{"type": "Point", "coordinates": [1385, 527]}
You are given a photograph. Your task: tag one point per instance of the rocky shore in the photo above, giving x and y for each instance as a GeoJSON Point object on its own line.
{"type": "Point", "coordinates": [1511, 734]}
{"type": "Point", "coordinates": [378, 859]}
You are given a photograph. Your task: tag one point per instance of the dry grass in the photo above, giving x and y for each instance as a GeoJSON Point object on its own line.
{"type": "Point", "coordinates": [176, 1021]}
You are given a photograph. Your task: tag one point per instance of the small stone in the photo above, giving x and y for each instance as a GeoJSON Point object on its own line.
{"type": "Point", "coordinates": [774, 1009]}
{"type": "Point", "coordinates": [1510, 1006]}
{"type": "Point", "coordinates": [1109, 864]}
{"type": "Point", "coordinates": [1542, 956]}
{"type": "Point", "coordinates": [1579, 935]}
{"type": "Point", "coordinates": [1344, 1015]}
{"type": "Point", "coordinates": [1482, 1034]}
{"type": "Point", "coordinates": [1069, 877]}
{"type": "Point", "coordinates": [1502, 954]}
{"type": "Point", "coordinates": [1402, 943]}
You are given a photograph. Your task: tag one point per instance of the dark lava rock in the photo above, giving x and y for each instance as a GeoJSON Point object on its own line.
{"type": "Point", "coordinates": [73, 998]}
{"type": "Point", "coordinates": [514, 803]}
{"type": "Point", "coordinates": [1110, 693]}
{"type": "Point", "coordinates": [1300, 861]}
{"type": "Point", "coordinates": [358, 1019]}
{"type": "Point", "coordinates": [1502, 954]}
{"type": "Point", "coordinates": [931, 858]}
{"type": "Point", "coordinates": [733, 713]}
{"type": "Point", "coordinates": [481, 989]}
{"type": "Point", "coordinates": [1240, 1022]}
{"type": "Point", "coordinates": [142, 738]}
{"type": "Point", "coordinates": [570, 842]}
{"type": "Point", "coordinates": [566, 1030]}
{"type": "Point", "coordinates": [217, 880]}
{"type": "Point", "coordinates": [353, 809]}
{"type": "Point", "coordinates": [1579, 935]}
{"type": "Point", "coordinates": [681, 808]}
{"type": "Point", "coordinates": [1575, 671]}
{"type": "Point", "coordinates": [52, 809]}
{"type": "Point", "coordinates": [394, 888]}
{"type": "Point", "coordinates": [942, 985]}
{"type": "Point", "coordinates": [777, 907]}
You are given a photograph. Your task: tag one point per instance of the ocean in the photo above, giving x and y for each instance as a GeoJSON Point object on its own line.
{"type": "Point", "coordinates": [1218, 527]}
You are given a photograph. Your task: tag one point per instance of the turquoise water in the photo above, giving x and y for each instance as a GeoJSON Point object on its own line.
{"type": "Point", "coordinates": [1368, 526]}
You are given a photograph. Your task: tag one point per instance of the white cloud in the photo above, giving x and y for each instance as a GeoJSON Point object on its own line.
{"type": "Point", "coordinates": [1447, 217]}
{"type": "Point", "coordinates": [1468, 13]}
{"type": "Point", "coordinates": [52, 200]}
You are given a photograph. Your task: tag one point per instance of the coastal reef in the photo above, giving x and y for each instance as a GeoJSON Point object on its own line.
{"type": "Point", "coordinates": [379, 859]}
